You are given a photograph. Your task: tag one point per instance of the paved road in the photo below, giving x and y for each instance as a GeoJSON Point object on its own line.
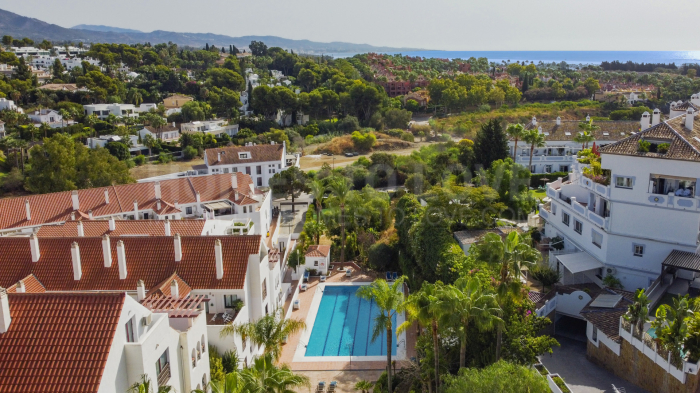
{"type": "Point", "coordinates": [581, 375]}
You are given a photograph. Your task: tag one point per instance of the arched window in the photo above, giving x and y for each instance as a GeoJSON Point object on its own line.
{"type": "Point", "coordinates": [194, 359]}
{"type": "Point", "coordinates": [199, 351]}
{"type": "Point", "coordinates": [204, 380]}
{"type": "Point", "coordinates": [204, 345]}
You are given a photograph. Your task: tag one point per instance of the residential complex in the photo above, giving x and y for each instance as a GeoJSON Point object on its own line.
{"type": "Point", "coordinates": [260, 162]}
{"type": "Point", "coordinates": [102, 111]}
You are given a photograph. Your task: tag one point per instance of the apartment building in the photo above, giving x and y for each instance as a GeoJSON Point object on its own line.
{"type": "Point", "coordinates": [102, 111]}
{"type": "Point", "coordinates": [260, 162]}
{"type": "Point", "coordinates": [559, 153]}
{"type": "Point", "coordinates": [630, 222]}
{"type": "Point", "coordinates": [215, 127]}
{"type": "Point", "coordinates": [226, 197]}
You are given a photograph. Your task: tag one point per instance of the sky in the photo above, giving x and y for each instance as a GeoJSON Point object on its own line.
{"type": "Point", "coordinates": [432, 24]}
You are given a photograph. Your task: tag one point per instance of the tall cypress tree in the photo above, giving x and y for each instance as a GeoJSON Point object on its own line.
{"type": "Point", "coordinates": [206, 46]}
{"type": "Point", "coordinates": [490, 144]}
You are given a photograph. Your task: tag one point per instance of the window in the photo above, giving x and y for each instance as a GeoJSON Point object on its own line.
{"type": "Point", "coordinates": [638, 250]}
{"type": "Point", "coordinates": [188, 210]}
{"type": "Point", "coordinates": [260, 182]}
{"type": "Point", "coordinates": [225, 170]}
{"type": "Point", "coordinates": [130, 331]}
{"type": "Point", "coordinates": [264, 289]}
{"type": "Point", "coordinates": [145, 216]}
{"type": "Point", "coordinates": [279, 166]}
{"type": "Point", "coordinates": [594, 336]}
{"type": "Point", "coordinates": [563, 168]}
{"type": "Point", "coordinates": [229, 300]}
{"type": "Point", "coordinates": [578, 226]}
{"type": "Point", "coordinates": [258, 170]}
{"type": "Point", "coordinates": [163, 368]}
{"type": "Point", "coordinates": [243, 156]}
{"type": "Point", "coordinates": [624, 182]}
{"type": "Point", "coordinates": [316, 263]}
{"type": "Point", "coordinates": [547, 169]}
{"type": "Point", "coordinates": [234, 170]}
{"type": "Point", "coordinates": [247, 170]}
{"type": "Point", "coordinates": [565, 218]}
{"type": "Point", "coordinates": [597, 239]}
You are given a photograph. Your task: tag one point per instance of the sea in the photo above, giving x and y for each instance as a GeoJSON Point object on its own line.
{"type": "Point", "coordinates": [570, 57]}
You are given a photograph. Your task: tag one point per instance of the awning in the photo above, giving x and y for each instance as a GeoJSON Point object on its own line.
{"type": "Point", "coordinates": [217, 205]}
{"type": "Point", "coordinates": [579, 262]}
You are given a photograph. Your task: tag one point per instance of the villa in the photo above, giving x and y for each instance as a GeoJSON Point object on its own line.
{"type": "Point", "coordinates": [260, 162]}
{"type": "Point", "coordinates": [216, 127]}
{"type": "Point", "coordinates": [102, 111]}
{"type": "Point", "coordinates": [50, 117]}
{"type": "Point", "coordinates": [167, 133]}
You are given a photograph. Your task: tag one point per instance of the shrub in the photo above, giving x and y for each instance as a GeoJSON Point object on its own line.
{"type": "Point", "coordinates": [140, 160]}
{"type": "Point", "coordinates": [164, 158]}
{"type": "Point", "coordinates": [363, 140]}
{"type": "Point", "coordinates": [557, 243]}
{"type": "Point", "coordinates": [407, 137]}
{"type": "Point", "coordinates": [545, 274]}
{"type": "Point", "coordinates": [643, 146]}
{"type": "Point", "coordinates": [560, 383]}
{"type": "Point", "coordinates": [484, 108]}
{"type": "Point", "coordinates": [412, 105]}
{"type": "Point", "coordinates": [612, 282]}
{"type": "Point", "coordinates": [348, 124]}
{"type": "Point", "coordinates": [229, 360]}
{"type": "Point", "coordinates": [663, 148]}
{"type": "Point", "coordinates": [189, 152]}
{"type": "Point", "coordinates": [381, 255]}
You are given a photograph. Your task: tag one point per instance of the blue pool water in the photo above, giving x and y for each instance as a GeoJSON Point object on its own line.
{"type": "Point", "coordinates": [344, 325]}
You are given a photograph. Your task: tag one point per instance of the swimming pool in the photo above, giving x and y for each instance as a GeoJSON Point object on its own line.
{"type": "Point", "coordinates": [343, 326]}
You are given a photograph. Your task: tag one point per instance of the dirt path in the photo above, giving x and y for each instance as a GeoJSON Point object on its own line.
{"type": "Point", "coordinates": [316, 161]}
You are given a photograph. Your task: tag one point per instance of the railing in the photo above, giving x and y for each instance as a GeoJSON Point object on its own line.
{"type": "Point", "coordinates": [164, 375]}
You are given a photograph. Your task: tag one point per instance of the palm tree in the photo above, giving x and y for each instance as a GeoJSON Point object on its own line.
{"type": "Point", "coordinates": [232, 383]}
{"type": "Point", "coordinates": [534, 139]}
{"type": "Point", "coordinates": [511, 254]}
{"type": "Point", "coordinates": [264, 377]}
{"type": "Point", "coordinates": [158, 122]}
{"type": "Point", "coordinates": [268, 331]}
{"type": "Point", "coordinates": [671, 326]}
{"type": "Point", "coordinates": [64, 115]}
{"type": "Point", "coordinates": [364, 386]}
{"type": "Point", "coordinates": [390, 301]}
{"type": "Point", "coordinates": [468, 304]}
{"type": "Point", "coordinates": [145, 386]}
{"type": "Point", "coordinates": [150, 142]}
{"type": "Point", "coordinates": [426, 307]}
{"type": "Point", "coordinates": [340, 187]}
{"type": "Point", "coordinates": [317, 190]}
{"type": "Point", "coordinates": [585, 136]}
{"type": "Point", "coordinates": [516, 132]}
{"type": "Point", "coordinates": [638, 311]}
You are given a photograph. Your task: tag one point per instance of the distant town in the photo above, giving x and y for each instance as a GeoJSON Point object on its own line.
{"type": "Point", "coordinates": [250, 219]}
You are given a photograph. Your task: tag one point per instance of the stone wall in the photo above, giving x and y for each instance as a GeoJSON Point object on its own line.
{"type": "Point", "coordinates": [635, 367]}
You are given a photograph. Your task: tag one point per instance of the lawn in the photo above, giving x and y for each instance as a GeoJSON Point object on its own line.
{"type": "Point", "coordinates": [539, 194]}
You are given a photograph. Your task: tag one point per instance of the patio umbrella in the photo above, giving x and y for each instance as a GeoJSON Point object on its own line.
{"type": "Point", "coordinates": [544, 179]}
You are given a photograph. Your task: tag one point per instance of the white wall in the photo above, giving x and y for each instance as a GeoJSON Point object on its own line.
{"type": "Point", "coordinates": [572, 304]}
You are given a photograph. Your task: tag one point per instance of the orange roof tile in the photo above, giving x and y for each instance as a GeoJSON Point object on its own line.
{"type": "Point", "coordinates": [31, 285]}
{"type": "Point", "coordinates": [318, 251]}
{"type": "Point", "coordinates": [163, 289]}
{"type": "Point", "coordinates": [151, 259]}
{"type": "Point", "coordinates": [58, 342]}
{"type": "Point", "coordinates": [98, 228]}
{"type": "Point", "coordinates": [258, 153]}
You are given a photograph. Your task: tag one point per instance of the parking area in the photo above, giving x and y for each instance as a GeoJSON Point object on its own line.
{"type": "Point", "coordinates": [580, 374]}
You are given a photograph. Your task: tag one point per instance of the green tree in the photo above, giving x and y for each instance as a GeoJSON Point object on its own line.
{"type": "Point", "coordinates": [7, 40]}
{"type": "Point", "coordinates": [397, 118]}
{"type": "Point", "coordinates": [258, 48]}
{"type": "Point", "coordinates": [468, 304]}
{"type": "Point", "coordinates": [291, 182]}
{"type": "Point", "coordinates": [317, 190]}
{"type": "Point", "coordinates": [52, 165]}
{"type": "Point", "coordinates": [515, 131]}
{"type": "Point", "coordinates": [57, 69]}
{"type": "Point", "coordinates": [340, 188]}
{"type": "Point", "coordinates": [231, 383]}
{"type": "Point", "coordinates": [269, 331]}
{"type": "Point", "coordinates": [265, 377]}
{"type": "Point", "coordinates": [638, 312]}
{"type": "Point", "coordinates": [150, 142]}
{"type": "Point", "coordinates": [535, 139]}
{"type": "Point", "coordinates": [498, 377]}
{"type": "Point", "coordinates": [390, 301]}
{"type": "Point", "coordinates": [119, 150]}
{"type": "Point", "coordinates": [364, 386]}
{"type": "Point", "coordinates": [591, 85]}
{"type": "Point", "coordinates": [586, 135]}
{"type": "Point", "coordinates": [491, 143]}
{"type": "Point", "coordinates": [671, 326]}
{"type": "Point", "coordinates": [145, 386]}
{"type": "Point", "coordinates": [363, 140]}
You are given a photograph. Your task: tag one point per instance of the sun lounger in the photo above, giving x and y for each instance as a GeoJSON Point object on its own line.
{"type": "Point", "coordinates": [394, 276]}
{"type": "Point", "coordinates": [388, 276]}
{"type": "Point", "coordinates": [321, 386]}
{"type": "Point", "coordinates": [306, 275]}
{"type": "Point", "coordinates": [332, 387]}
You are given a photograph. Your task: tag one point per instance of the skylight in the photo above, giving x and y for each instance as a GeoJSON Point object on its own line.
{"type": "Point", "coordinates": [606, 133]}
{"type": "Point", "coordinates": [567, 133]}
{"type": "Point", "coordinates": [606, 301]}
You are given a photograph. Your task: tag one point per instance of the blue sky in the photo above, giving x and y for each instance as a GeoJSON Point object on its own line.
{"type": "Point", "coordinates": [431, 24]}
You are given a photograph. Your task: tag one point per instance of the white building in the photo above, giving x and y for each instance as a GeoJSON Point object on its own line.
{"type": "Point", "coordinates": [102, 111]}
{"type": "Point", "coordinates": [679, 108]}
{"type": "Point", "coordinates": [260, 162]}
{"type": "Point", "coordinates": [560, 151]}
{"type": "Point", "coordinates": [214, 127]}
{"type": "Point", "coordinates": [50, 117]}
{"type": "Point", "coordinates": [168, 133]}
{"type": "Point", "coordinates": [72, 50]}
{"type": "Point", "coordinates": [29, 51]}
{"type": "Point", "coordinates": [317, 258]}
{"type": "Point", "coordinates": [6, 104]}
{"type": "Point", "coordinates": [103, 140]}
{"type": "Point", "coordinates": [2, 129]}
{"type": "Point", "coordinates": [648, 209]}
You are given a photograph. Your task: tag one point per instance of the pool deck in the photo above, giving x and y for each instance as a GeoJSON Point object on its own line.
{"type": "Point", "coordinates": [294, 341]}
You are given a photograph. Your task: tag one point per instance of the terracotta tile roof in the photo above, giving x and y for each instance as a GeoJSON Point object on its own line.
{"type": "Point", "coordinates": [151, 259]}
{"type": "Point", "coordinates": [258, 153]}
{"type": "Point", "coordinates": [614, 129]}
{"type": "Point", "coordinates": [31, 285]}
{"type": "Point", "coordinates": [57, 207]}
{"type": "Point", "coordinates": [318, 251]}
{"type": "Point", "coordinates": [163, 289]}
{"type": "Point", "coordinates": [683, 146]}
{"type": "Point", "coordinates": [58, 342]}
{"type": "Point", "coordinates": [607, 320]}
{"type": "Point", "coordinates": [97, 228]}
{"type": "Point", "coordinates": [684, 107]}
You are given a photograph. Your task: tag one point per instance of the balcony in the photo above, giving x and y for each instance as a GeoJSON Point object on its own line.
{"type": "Point", "coordinates": [164, 375]}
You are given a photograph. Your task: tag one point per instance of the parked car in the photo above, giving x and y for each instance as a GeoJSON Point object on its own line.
{"type": "Point", "coordinates": [349, 154]}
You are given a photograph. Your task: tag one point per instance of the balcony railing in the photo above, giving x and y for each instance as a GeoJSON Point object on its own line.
{"type": "Point", "coordinates": [164, 375]}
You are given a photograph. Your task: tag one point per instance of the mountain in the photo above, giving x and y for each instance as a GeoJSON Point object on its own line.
{"type": "Point", "coordinates": [105, 28]}
{"type": "Point", "coordinates": [20, 26]}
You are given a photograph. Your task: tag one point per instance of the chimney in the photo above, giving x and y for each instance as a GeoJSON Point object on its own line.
{"type": "Point", "coordinates": [234, 181]}
{"type": "Point", "coordinates": [588, 118]}
{"type": "Point", "coordinates": [656, 117]}
{"type": "Point", "coordinates": [174, 290]}
{"type": "Point", "coordinates": [539, 129]}
{"type": "Point", "coordinates": [21, 288]}
{"type": "Point", "coordinates": [198, 197]}
{"type": "Point", "coordinates": [107, 250]}
{"type": "Point", "coordinates": [121, 259]}
{"type": "Point", "coordinates": [158, 205]}
{"type": "Point", "coordinates": [4, 312]}
{"type": "Point", "coordinates": [136, 210]}
{"type": "Point", "coordinates": [34, 247]}
{"type": "Point", "coordinates": [106, 196]}
{"type": "Point", "coordinates": [75, 254]}
{"type": "Point", "coordinates": [218, 157]}
{"type": "Point", "coordinates": [112, 224]}
{"type": "Point", "coordinates": [90, 214]}
{"type": "Point", "coordinates": [236, 195]}
{"type": "Point", "coordinates": [157, 187]}
{"type": "Point", "coordinates": [167, 227]}
{"type": "Point", "coordinates": [689, 118]}
{"type": "Point", "coordinates": [72, 216]}
{"type": "Point", "coordinates": [74, 197]}
{"type": "Point", "coordinates": [174, 125]}
{"type": "Point", "coordinates": [272, 143]}
{"type": "Point", "coordinates": [81, 230]}
{"type": "Point", "coordinates": [178, 248]}
{"type": "Point", "coordinates": [534, 120]}
{"type": "Point", "coordinates": [646, 121]}
{"type": "Point", "coordinates": [218, 252]}
{"type": "Point", "coordinates": [140, 290]}
{"type": "Point", "coordinates": [26, 207]}
{"type": "Point", "coordinates": [558, 120]}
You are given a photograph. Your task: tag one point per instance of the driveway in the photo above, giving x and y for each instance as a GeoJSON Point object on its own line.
{"type": "Point", "coordinates": [581, 375]}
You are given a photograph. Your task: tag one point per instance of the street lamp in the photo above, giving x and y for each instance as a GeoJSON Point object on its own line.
{"type": "Point", "coordinates": [333, 162]}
